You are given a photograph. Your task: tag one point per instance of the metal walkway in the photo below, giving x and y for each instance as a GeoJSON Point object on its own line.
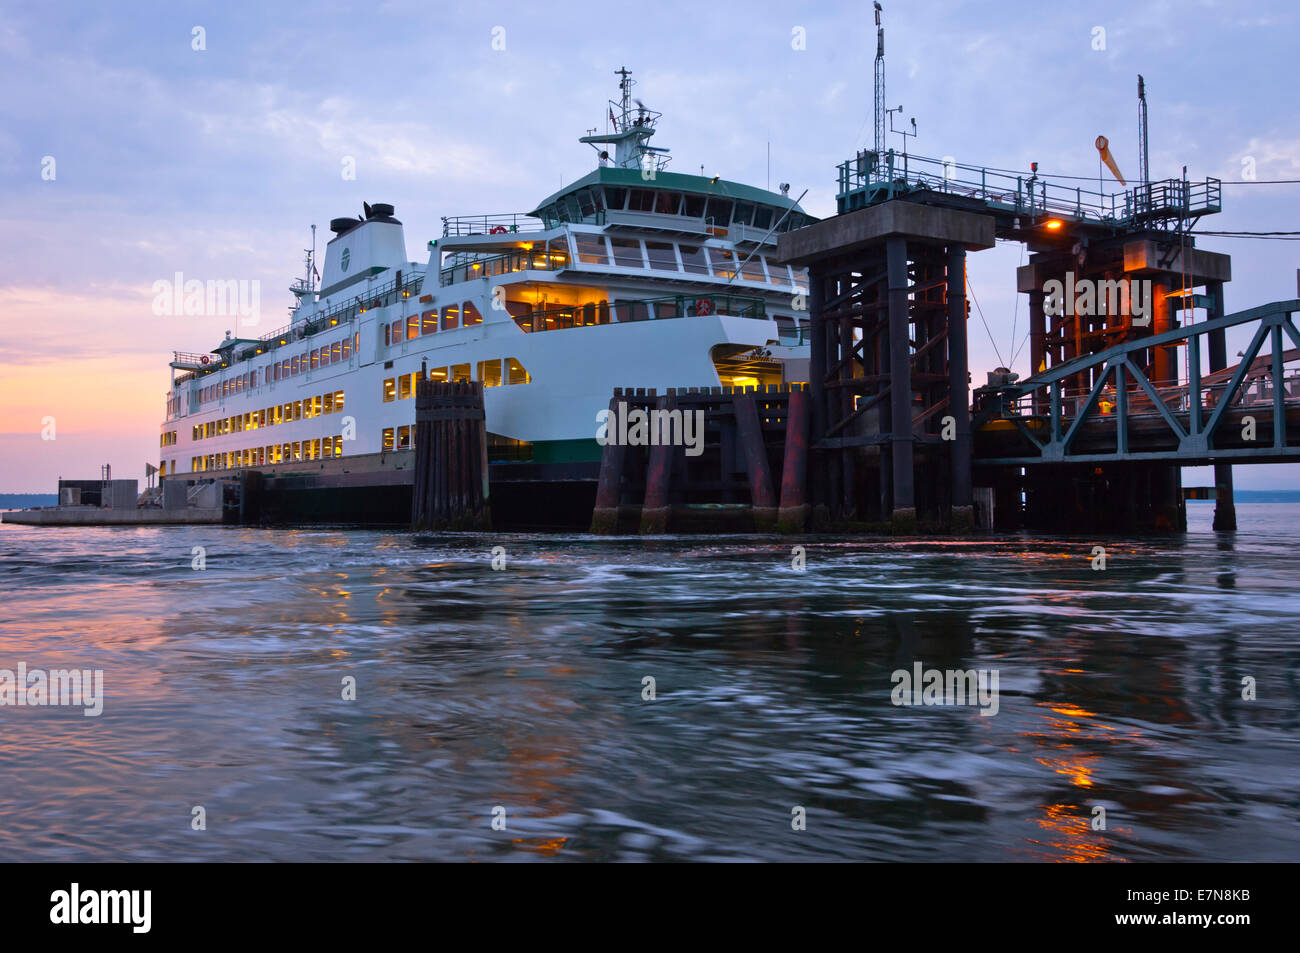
{"type": "Point", "coordinates": [1249, 413]}
{"type": "Point", "coordinates": [1170, 204]}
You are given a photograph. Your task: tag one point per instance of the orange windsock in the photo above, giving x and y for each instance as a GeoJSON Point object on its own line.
{"type": "Point", "coordinates": [1103, 146]}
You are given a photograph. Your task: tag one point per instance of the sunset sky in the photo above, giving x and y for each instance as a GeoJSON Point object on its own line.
{"type": "Point", "coordinates": [216, 162]}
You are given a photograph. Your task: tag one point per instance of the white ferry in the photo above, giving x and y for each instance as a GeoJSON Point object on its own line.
{"type": "Point", "coordinates": [632, 276]}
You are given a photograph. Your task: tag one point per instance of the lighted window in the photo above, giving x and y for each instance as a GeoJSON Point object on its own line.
{"type": "Point", "coordinates": [327, 404]}
{"type": "Point", "coordinates": [390, 390]}
{"type": "Point", "coordinates": [293, 370]}
{"type": "Point", "coordinates": [338, 401]}
{"type": "Point", "coordinates": [489, 372]}
{"type": "Point", "coordinates": [515, 373]}
{"type": "Point", "coordinates": [403, 387]}
{"type": "Point", "coordinates": [315, 449]}
{"type": "Point", "coordinates": [429, 322]}
{"type": "Point", "coordinates": [470, 314]}
{"type": "Point", "coordinates": [724, 263]}
{"type": "Point", "coordinates": [347, 348]}
{"type": "Point", "coordinates": [460, 372]}
{"type": "Point", "coordinates": [450, 317]}
{"type": "Point", "coordinates": [412, 327]}
{"type": "Point", "coordinates": [297, 410]}
{"type": "Point", "coordinates": [315, 359]}
{"type": "Point", "coordinates": [338, 445]}
{"type": "Point", "coordinates": [404, 438]}
{"type": "Point", "coordinates": [438, 374]}
{"type": "Point", "coordinates": [388, 438]}
{"type": "Point", "coordinates": [315, 406]}
{"type": "Point", "coordinates": [297, 450]}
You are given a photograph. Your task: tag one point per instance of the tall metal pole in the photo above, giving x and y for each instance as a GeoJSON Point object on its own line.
{"type": "Point", "coordinates": [1144, 158]}
{"type": "Point", "coordinates": [880, 88]}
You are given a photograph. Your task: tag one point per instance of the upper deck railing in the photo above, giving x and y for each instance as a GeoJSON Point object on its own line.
{"type": "Point", "coordinates": [502, 224]}
{"type": "Point", "coordinates": [345, 313]}
{"type": "Point", "coordinates": [869, 178]}
{"type": "Point", "coordinates": [539, 258]}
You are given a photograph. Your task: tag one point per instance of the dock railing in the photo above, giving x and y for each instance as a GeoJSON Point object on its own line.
{"type": "Point", "coordinates": [871, 177]}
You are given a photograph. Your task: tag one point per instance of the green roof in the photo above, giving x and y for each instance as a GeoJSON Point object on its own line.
{"type": "Point", "coordinates": [673, 181]}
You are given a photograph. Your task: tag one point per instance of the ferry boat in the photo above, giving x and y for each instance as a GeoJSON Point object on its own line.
{"type": "Point", "coordinates": [631, 276]}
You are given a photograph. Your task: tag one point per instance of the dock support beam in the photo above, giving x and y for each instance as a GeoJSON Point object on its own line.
{"type": "Point", "coordinates": [1225, 507]}
{"type": "Point", "coordinates": [1038, 345]}
{"type": "Point", "coordinates": [1164, 364]}
{"type": "Point", "coordinates": [818, 345]}
{"type": "Point", "coordinates": [903, 510]}
{"type": "Point", "coordinates": [958, 393]}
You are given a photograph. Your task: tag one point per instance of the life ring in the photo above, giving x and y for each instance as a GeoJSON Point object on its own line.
{"type": "Point", "coordinates": [497, 230]}
{"type": "Point", "coordinates": [204, 359]}
{"type": "Point", "coordinates": [704, 306]}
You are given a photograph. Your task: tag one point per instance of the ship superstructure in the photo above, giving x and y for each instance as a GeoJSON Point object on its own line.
{"type": "Point", "coordinates": [629, 276]}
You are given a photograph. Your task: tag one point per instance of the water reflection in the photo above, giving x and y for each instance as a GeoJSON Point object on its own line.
{"type": "Point", "coordinates": [525, 690]}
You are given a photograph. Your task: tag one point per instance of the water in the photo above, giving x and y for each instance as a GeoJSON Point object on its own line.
{"type": "Point", "coordinates": [522, 689]}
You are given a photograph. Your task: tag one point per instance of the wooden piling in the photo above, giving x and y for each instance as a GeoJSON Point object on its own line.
{"type": "Point", "coordinates": [750, 429]}
{"type": "Point", "coordinates": [451, 475]}
{"type": "Point", "coordinates": [659, 474]}
{"type": "Point", "coordinates": [795, 510]}
{"type": "Point", "coordinates": [609, 490]}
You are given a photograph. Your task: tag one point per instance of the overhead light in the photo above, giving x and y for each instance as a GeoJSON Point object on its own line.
{"type": "Point", "coordinates": [1053, 224]}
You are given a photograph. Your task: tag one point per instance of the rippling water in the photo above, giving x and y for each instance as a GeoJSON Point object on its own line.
{"type": "Point", "coordinates": [522, 689]}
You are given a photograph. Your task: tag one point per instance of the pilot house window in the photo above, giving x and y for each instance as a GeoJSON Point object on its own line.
{"type": "Point", "coordinates": [591, 249]}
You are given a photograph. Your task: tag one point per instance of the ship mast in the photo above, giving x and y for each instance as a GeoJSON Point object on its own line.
{"type": "Point", "coordinates": [632, 126]}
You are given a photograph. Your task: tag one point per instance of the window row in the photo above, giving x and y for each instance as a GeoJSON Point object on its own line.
{"type": "Point", "coordinates": [318, 448]}
{"type": "Point", "coordinates": [493, 373]}
{"type": "Point", "coordinates": [594, 249]}
{"type": "Point", "coordinates": [305, 409]}
{"type": "Point", "coordinates": [323, 356]}
{"type": "Point", "coordinates": [167, 439]}
{"type": "Point", "coordinates": [588, 204]}
{"type": "Point", "coordinates": [413, 326]}
{"type": "Point", "coordinates": [399, 438]}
